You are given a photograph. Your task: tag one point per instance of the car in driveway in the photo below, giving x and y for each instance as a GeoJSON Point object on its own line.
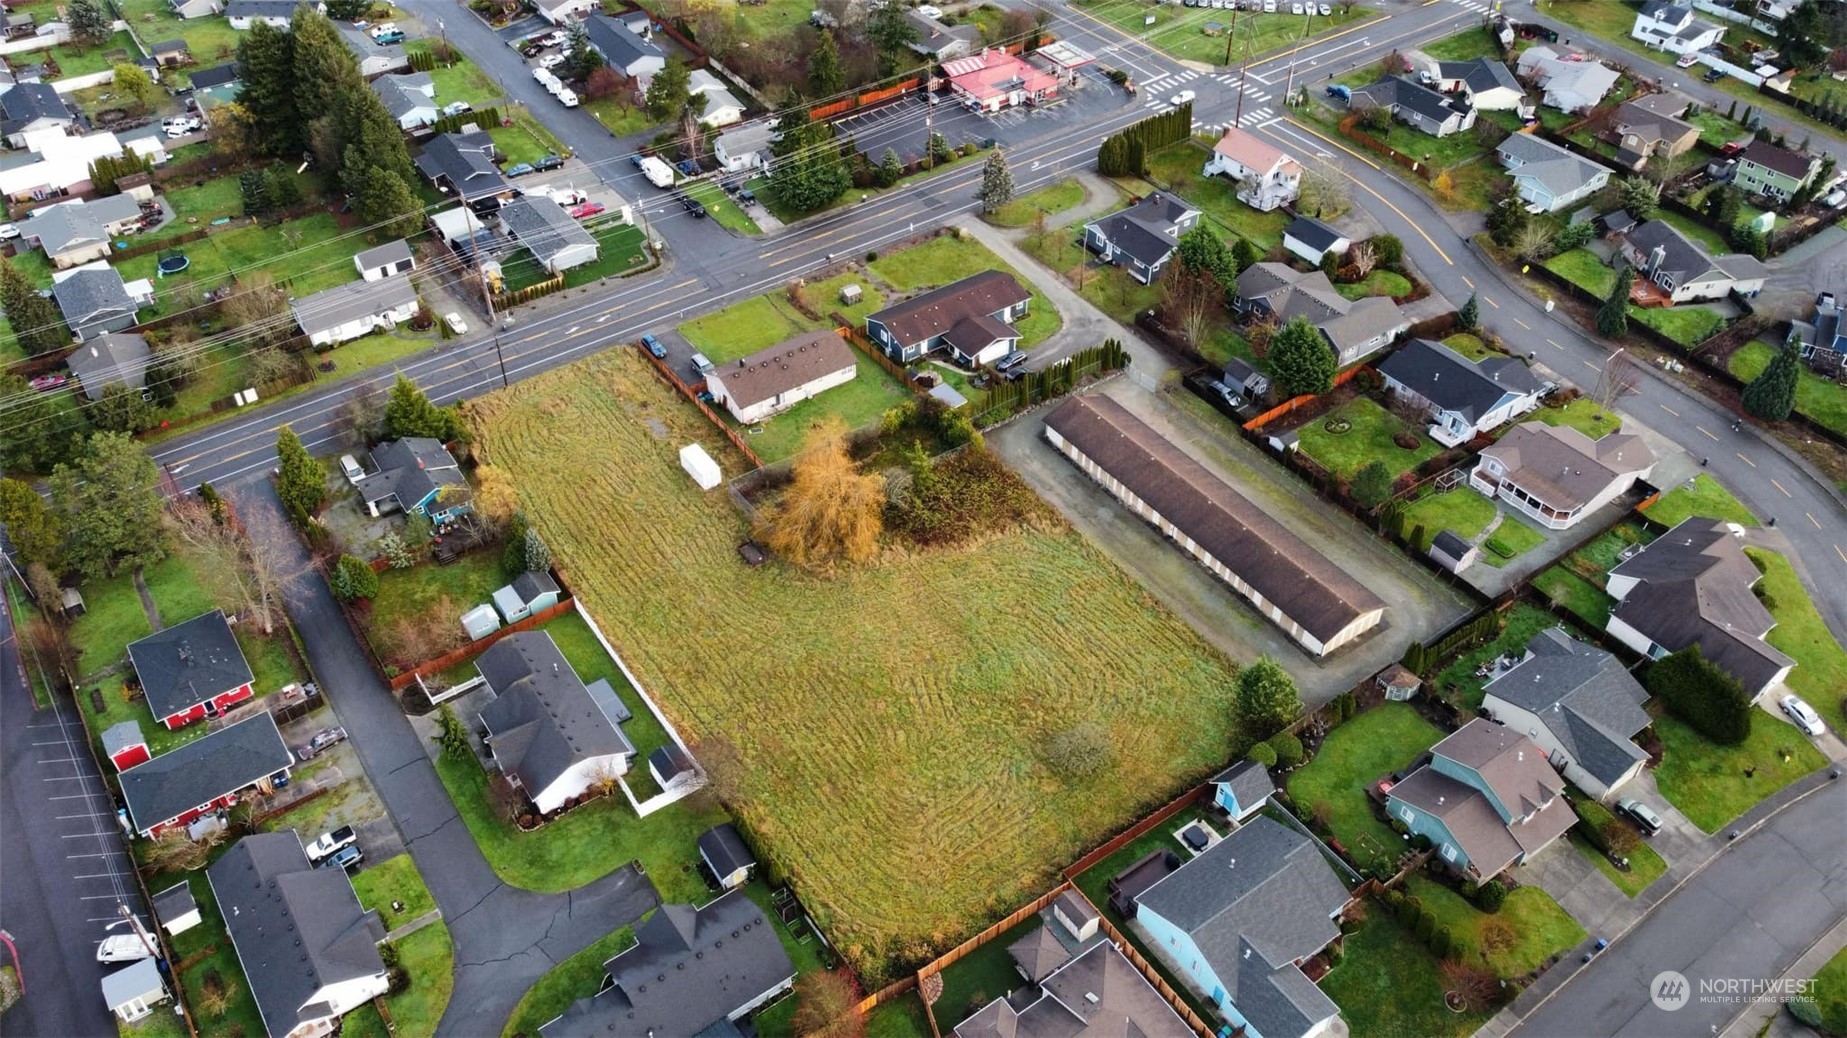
{"type": "Point", "coordinates": [520, 169]}
{"type": "Point", "coordinates": [323, 740]}
{"type": "Point", "coordinates": [587, 210]}
{"type": "Point", "coordinates": [547, 163]}
{"type": "Point", "coordinates": [386, 39]}
{"type": "Point", "coordinates": [457, 326]}
{"type": "Point", "coordinates": [552, 60]}
{"type": "Point", "coordinates": [330, 843]}
{"type": "Point", "coordinates": [692, 205]}
{"type": "Point", "coordinates": [1713, 75]}
{"type": "Point", "coordinates": [454, 108]}
{"type": "Point", "coordinates": [654, 345]}
{"type": "Point", "coordinates": [345, 858]}
{"type": "Point", "coordinates": [1181, 98]}
{"type": "Point", "coordinates": [1641, 814]}
{"type": "Point", "coordinates": [1802, 715]}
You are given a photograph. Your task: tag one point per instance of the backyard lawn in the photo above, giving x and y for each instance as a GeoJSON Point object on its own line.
{"type": "Point", "coordinates": [1180, 31]}
{"type": "Point", "coordinates": [1823, 400]}
{"type": "Point", "coordinates": [203, 956]}
{"type": "Point", "coordinates": [1645, 866]}
{"type": "Point", "coordinates": [744, 328]}
{"type": "Point", "coordinates": [427, 954]}
{"type": "Point", "coordinates": [1584, 269]}
{"type": "Point", "coordinates": [1820, 676]}
{"type": "Point", "coordinates": [1584, 599]}
{"type": "Point", "coordinates": [395, 879]}
{"type": "Point", "coordinates": [1369, 747]}
{"type": "Point", "coordinates": [574, 978]}
{"type": "Point", "coordinates": [981, 976]}
{"type": "Point", "coordinates": [211, 40]}
{"type": "Point", "coordinates": [858, 778]}
{"type": "Point", "coordinates": [412, 601]}
{"type": "Point", "coordinates": [1469, 345]}
{"type": "Point", "coordinates": [948, 258]}
{"type": "Point", "coordinates": [1388, 983]}
{"type": "Point", "coordinates": [1108, 287]}
{"type": "Point", "coordinates": [587, 657]}
{"type": "Point", "coordinates": [1700, 232]}
{"type": "Point", "coordinates": [1581, 414]}
{"type": "Point", "coordinates": [1458, 681]}
{"type": "Point", "coordinates": [1053, 198]}
{"type": "Point", "coordinates": [1461, 510]}
{"type": "Point", "coordinates": [1688, 324]}
{"type": "Point", "coordinates": [1706, 497]}
{"type": "Point", "coordinates": [1529, 929]}
{"type": "Point", "coordinates": [902, 1017]}
{"type": "Point", "coordinates": [1510, 540]}
{"type": "Point", "coordinates": [1346, 451]}
{"type": "Point", "coordinates": [1709, 783]}
{"type": "Point", "coordinates": [1181, 169]}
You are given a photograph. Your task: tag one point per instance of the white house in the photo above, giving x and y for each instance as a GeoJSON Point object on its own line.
{"type": "Point", "coordinates": [772, 380]}
{"type": "Point", "coordinates": [1547, 176]}
{"type": "Point", "coordinates": [411, 99]}
{"type": "Point", "coordinates": [1267, 177]}
{"type": "Point", "coordinates": [1573, 84]}
{"type": "Point", "coordinates": [744, 147]}
{"type": "Point", "coordinates": [722, 108]}
{"type": "Point", "coordinates": [1669, 25]}
{"type": "Point", "coordinates": [563, 12]}
{"type": "Point", "coordinates": [1487, 83]}
{"type": "Point", "coordinates": [1684, 270]}
{"type": "Point", "coordinates": [1556, 475]}
{"type": "Point", "coordinates": [354, 309]}
{"type": "Point", "coordinates": [1579, 705]}
{"type": "Point", "coordinates": [552, 736]}
{"type": "Point", "coordinates": [393, 257]}
{"type": "Point", "coordinates": [1312, 240]}
{"type": "Point", "coordinates": [1465, 398]}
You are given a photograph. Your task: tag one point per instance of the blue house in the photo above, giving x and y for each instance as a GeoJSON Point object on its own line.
{"type": "Point", "coordinates": [1239, 920]}
{"type": "Point", "coordinates": [972, 318]}
{"type": "Point", "coordinates": [1488, 800]}
{"type": "Point", "coordinates": [528, 594]}
{"type": "Point", "coordinates": [1242, 789]}
{"type": "Point", "coordinates": [418, 476]}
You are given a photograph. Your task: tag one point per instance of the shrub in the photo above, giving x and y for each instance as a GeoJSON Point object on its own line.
{"type": "Point", "coordinates": [1604, 830]}
{"type": "Point", "coordinates": [1442, 943]}
{"type": "Point", "coordinates": [1707, 698]}
{"type": "Point", "coordinates": [1806, 1011]}
{"type": "Point", "coordinates": [1262, 754]}
{"type": "Point", "coordinates": [1425, 926]}
{"type": "Point", "coordinates": [1078, 751]}
{"type": "Point", "coordinates": [353, 579]}
{"type": "Point", "coordinates": [1288, 749]}
{"type": "Point", "coordinates": [1490, 896]}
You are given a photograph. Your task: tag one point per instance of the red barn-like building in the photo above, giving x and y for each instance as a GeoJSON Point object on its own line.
{"type": "Point", "coordinates": [125, 746]}
{"type": "Point", "coordinates": [192, 671]}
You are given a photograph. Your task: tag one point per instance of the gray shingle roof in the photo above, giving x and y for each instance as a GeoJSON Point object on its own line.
{"type": "Point", "coordinates": [333, 307]}
{"type": "Point", "coordinates": [543, 227]}
{"type": "Point", "coordinates": [186, 664]}
{"type": "Point", "coordinates": [260, 9]}
{"type": "Point", "coordinates": [1097, 994]}
{"type": "Point", "coordinates": [1782, 160]}
{"type": "Point", "coordinates": [1477, 828]}
{"type": "Point", "coordinates": [297, 929]}
{"type": "Point", "coordinates": [174, 902]}
{"type": "Point", "coordinates": [1565, 468]}
{"type": "Point", "coordinates": [1514, 769]}
{"type": "Point", "coordinates": [25, 103]}
{"type": "Point", "coordinates": [90, 296]}
{"type": "Point", "coordinates": [463, 161]}
{"type": "Point", "coordinates": [1254, 903]}
{"type": "Point", "coordinates": [409, 469]}
{"type": "Point", "coordinates": [392, 252]}
{"type": "Point", "coordinates": [1451, 544]}
{"type": "Point", "coordinates": [1404, 92]}
{"type": "Point", "coordinates": [725, 850]}
{"type": "Point", "coordinates": [400, 94]}
{"type": "Point", "coordinates": [216, 76]}
{"type": "Point", "coordinates": [1313, 233]}
{"type": "Point", "coordinates": [116, 358]}
{"type": "Point", "coordinates": [1148, 230]}
{"type": "Point", "coordinates": [122, 735]}
{"type": "Point", "coordinates": [1453, 382]}
{"type": "Point", "coordinates": [1249, 782]}
{"type": "Point", "coordinates": [137, 980]}
{"type": "Point", "coordinates": [1480, 75]}
{"type": "Point", "coordinates": [1561, 171]}
{"type": "Point", "coordinates": [530, 585]}
{"type": "Point", "coordinates": [1582, 695]}
{"type": "Point", "coordinates": [935, 312]}
{"type": "Point", "coordinates": [617, 43]}
{"type": "Point", "coordinates": [670, 761]}
{"type": "Point", "coordinates": [542, 721]}
{"type": "Point", "coordinates": [203, 770]}
{"type": "Point", "coordinates": [69, 225]}
{"type": "Point", "coordinates": [690, 968]}
{"type": "Point", "coordinates": [1682, 259]}
{"type": "Point", "coordinates": [1289, 293]}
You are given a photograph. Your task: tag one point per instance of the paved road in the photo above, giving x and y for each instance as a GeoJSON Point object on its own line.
{"type": "Point", "coordinates": [1749, 915]}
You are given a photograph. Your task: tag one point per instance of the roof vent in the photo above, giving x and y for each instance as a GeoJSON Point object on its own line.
{"type": "Point", "coordinates": [1091, 997]}
{"type": "Point", "coordinates": [1247, 953]}
{"type": "Point", "coordinates": [679, 965]}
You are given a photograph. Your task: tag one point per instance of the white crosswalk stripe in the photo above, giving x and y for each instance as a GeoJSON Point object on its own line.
{"type": "Point", "coordinates": [1188, 74]}
{"type": "Point", "coordinates": [1157, 82]}
{"type": "Point", "coordinates": [1250, 118]}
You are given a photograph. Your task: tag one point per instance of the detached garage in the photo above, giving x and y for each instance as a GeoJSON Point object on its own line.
{"type": "Point", "coordinates": [544, 229]}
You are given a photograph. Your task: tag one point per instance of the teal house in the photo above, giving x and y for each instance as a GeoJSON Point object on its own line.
{"type": "Point", "coordinates": [1242, 789]}
{"type": "Point", "coordinates": [418, 476]}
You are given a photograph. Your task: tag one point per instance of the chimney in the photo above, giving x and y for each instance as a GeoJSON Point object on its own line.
{"type": "Point", "coordinates": [1656, 257]}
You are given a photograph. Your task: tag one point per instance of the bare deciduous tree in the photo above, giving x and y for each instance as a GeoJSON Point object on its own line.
{"type": "Point", "coordinates": [1362, 258]}
{"type": "Point", "coordinates": [827, 1006]}
{"type": "Point", "coordinates": [247, 562]}
{"type": "Point", "coordinates": [171, 851]}
{"type": "Point", "coordinates": [1188, 297]}
{"type": "Point", "coordinates": [1620, 377]}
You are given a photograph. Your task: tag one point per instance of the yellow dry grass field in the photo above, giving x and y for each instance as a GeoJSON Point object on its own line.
{"type": "Point", "coordinates": [892, 718]}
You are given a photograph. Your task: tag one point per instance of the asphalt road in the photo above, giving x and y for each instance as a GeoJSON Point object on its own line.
{"type": "Point", "coordinates": [1749, 915]}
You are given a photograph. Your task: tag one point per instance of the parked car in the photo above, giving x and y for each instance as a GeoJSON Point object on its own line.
{"type": "Point", "coordinates": [1295, 8]}
{"type": "Point", "coordinates": [1733, 148]}
{"type": "Point", "coordinates": [124, 947]}
{"type": "Point", "coordinates": [381, 27]}
{"type": "Point", "coordinates": [457, 108]}
{"type": "Point", "coordinates": [344, 858]}
{"type": "Point", "coordinates": [552, 60]}
{"type": "Point", "coordinates": [747, 196]}
{"type": "Point", "coordinates": [654, 345]}
{"type": "Point", "coordinates": [1713, 75]}
{"type": "Point", "coordinates": [531, 50]}
{"type": "Point", "coordinates": [44, 383]}
{"type": "Point", "coordinates": [587, 210]}
{"type": "Point", "coordinates": [386, 39]}
{"type": "Point", "coordinates": [692, 205]}
{"type": "Point", "coordinates": [1803, 715]}
{"type": "Point", "coordinates": [566, 97]}
{"type": "Point", "coordinates": [329, 842]}
{"type": "Point", "coordinates": [555, 38]}
{"type": "Point", "coordinates": [1181, 98]}
{"type": "Point", "coordinates": [457, 326]}
{"type": "Point", "coordinates": [1641, 814]}
{"type": "Point", "coordinates": [180, 125]}
{"type": "Point", "coordinates": [547, 163]}
{"type": "Point", "coordinates": [1010, 361]}
{"type": "Point", "coordinates": [8, 231]}
{"type": "Point", "coordinates": [701, 366]}
{"type": "Point", "coordinates": [1325, 11]}
{"type": "Point", "coordinates": [520, 169]}
{"type": "Point", "coordinates": [1687, 60]}
{"type": "Point", "coordinates": [635, 159]}
{"type": "Point", "coordinates": [687, 167]}
{"type": "Point", "coordinates": [349, 467]}
{"type": "Point", "coordinates": [323, 740]}
{"type": "Point", "coordinates": [1342, 92]}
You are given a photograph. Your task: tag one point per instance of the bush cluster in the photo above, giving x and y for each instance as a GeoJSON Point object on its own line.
{"type": "Point", "coordinates": [1707, 698]}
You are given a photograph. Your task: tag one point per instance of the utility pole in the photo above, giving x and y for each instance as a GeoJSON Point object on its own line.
{"type": "Point", "coordinates": [1289, 84]}
{"type": "Point", "coordinates": [487, 298]}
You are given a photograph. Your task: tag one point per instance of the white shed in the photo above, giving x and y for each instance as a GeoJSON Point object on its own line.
{"type": "Point", "coordinates": [699, 465]}
{"type": "Point", "coordinates": [480, 622]}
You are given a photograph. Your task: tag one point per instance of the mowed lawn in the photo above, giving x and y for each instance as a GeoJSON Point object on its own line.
{"type": "Point", "coordinates": [891, 717]}
{"type": "Point", "coordinates": [1707, 497]}
{"type": "Point", "coordinates": [1822, 399]}
{"type": "Point", "coordinates": [741, 330]}
{"type": "Point", "coordinates": [1708, 782]}
{"type": "Point", "coordinates": [948, 258]}
{"type": "Point", "coordinates": [1529, 928]}
{"type": "Point", "coordinates": [1370, 439]}
{"type": "Point", "coordinates": [1370, 746]}
{"type": "Point", "coordinates": [1820, 676]}
{"type": "Point", "coordinates": [1388, 984]}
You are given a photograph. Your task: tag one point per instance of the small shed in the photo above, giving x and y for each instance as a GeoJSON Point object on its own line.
{"type": "Point", "coordinates": [699, 465]}
{"type": "Point", "coordinates": [669, 764]}
{"type": "Point", "coordinates": [71, 601]}
{"type": "Point", "coordinates": [850, 294]}
{"type": "Point", "coordinates": [726, 854]}
{"type": "Point", "coordinates": [132, 991]}
{"type": "Point", "coordinates": [1245, 380]}
{"type": "Point", "coordinates": [947, 394]}
{"type": "Point", "coordinates": [1398, 683]}
{"type": "Point", "coordinates": [175, 908]}
{"type": "Point", "coordinates": [124, 745]}
{"type": "Point", "coordinates": [529, 593]}
{"type": "Point", "coordinates": [1453, 553]}
{"type": "Point", "coordinates": [1075, 914]}
{"type": "Point", "coordinates": [480, 621]}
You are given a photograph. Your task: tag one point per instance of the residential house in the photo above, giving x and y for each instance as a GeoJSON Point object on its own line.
{"type": "Point", "coordinates": [94, 301]}
{"type": "Point", "coordinates": [772, 380]}
{"type": "Point", "coordinates": [132, 992]}
{"type": "Point", "coordinates": [1242, 789]}
{"type": "Point", "coordinates": [31, 107]}
{"type": "Point", "coordinates": [1487, 84]}
{"type": "Point", "coordinates": [112, 359]}
{"type": "Point", "coordinates": [722, 107]}
{"type": "Point", "coordinates": [188, 9]}
{"type": "Point", "coordinates": [1085, 989]}
{"type": "Point", "coordinates": [940, 42]}
{"type": "Point", "coordinates": [308, 949]}
{"type": "Point", "coordinates": [973, 318]}
{"type": "Point", "coordinates": [205, 775]}
{"type": "Point", "coordinates": [544, 229]}
{"type": "Point", "coordinates": [192, 670]}
{"type": "Point", "coordinates": [463, 163]}
{"type": "Point", "coordinates": [994, 79]}
{"type": "Point", "coordinates": [1316, 603]}
{"type": "Point", "coordinates": [564, 12]}
{"type": "Point", "coordinates": [1313, 240]}
{"type": "Point", "coordinates": [1669, 25]}
{"type": "Point", "coordinates": [1773, 172]}
{"type": "Point", "coordinates": [74, 233]}
{"type": "Point", "coordinates": [63, 162]}
{"type": "Point", "coordinates": [410, 98]}
{"type": "Point", "coordinates": [726, 855]}
{"type": "Point", "coordinates": [1353, 328]}
{"type": "Point", "coordinates": [1692, 587]}
{"type": "Point", "coordinates": [1577, 703]}
{"type": "Point", "coordinates": [1651, 125]}
{"type": "Point", "coordinates": [547, 732]}
{"type": "Point", "coordinates": [1683, 270]}
{"type": "Point", "coordinates": [1465, 398]}
{"type": "Point", "coordinates": [175, 908]}
{"type": "Point", "coordinates": [124, 745]}
{"type": "Point", "coordinates": [374, 58]}
{"type": "Point", "coordinates": [691, 971]}
{"type": "Point", "coordinates": [1570, 84]}
{"type": "Point", "coordinates": [743, 148]}
{"type": "Point", "coordinates": [170, 54]}
{"type": "Point", "coordinates": [1141, 238]}
{"type": "Point", "coordinates": [633, 56]}
{"type": "Point", "coordinates": [1821, 340]}
{"type": "Point", "coordinates": [383, 261]}
{"type": "Point", "coordinates": [1245, 380]}
{"type": "Point", "coordinates": [530, 592]}
{"type": "Point", "coordinates": [1240, 919]}
{"type": "Point", "coordinates": [1487, 800]}
{"type": "Point", "coordinates": [1267, 177]}
{"type": "Point", "coordinates": [1556, 475]}
{"type": "Point", "coordinates": [355, 309]}
{"type": "Point", "coordinates": [1547, 176]}
{"type": "Point", "coordinates": [417, 476]}
{"type": "Point", "coordinates": [242, 14]}
{"type": "Point", "coordinates": [1417, 105]}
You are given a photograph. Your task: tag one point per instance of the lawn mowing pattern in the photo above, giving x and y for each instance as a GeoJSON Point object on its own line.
{"type": "Point", "coordinates": [411, 600]}
{"type": "Point", "coordinates": [981, 976]}
{"type": "Point", "coordinates": [1053, 198]}
{"type": "Point", "coordinates": [744, 328]}
{"type": "Point", "coordinates": [948, 258]}
{"type": "Point", "coordinates": [1831, 993]}
{"type": "Point", "coordinates": [1180, 168]}
{"type": "Point", "coordinates": [1510, 540]}
{"type": "Point", "coordinates": [1645, 866]}
{"type": "Point", "coordinates": [1179, 31]}
{"type": "Point", "coordinates": [1540, 929]}
{"type": "Point", "coordinates": [574, 978]}
{"type": "Point", "coordinates": [1688, 324]}
{"type": "Point", "coordinates": [860, 697]}
{"type": "Point", "coordinates": [1458, 683]}
{"type": "Point", "coordinates": [428, 957]}
{"type": "Point", "coordinates": [1707, 782]}
{"type": "Point", "coordinates": [394, 879]}
{"type": "Point", "coordinates": [1581, 414]}
{"type": "Point", "coordinates": [1388, 984]}
{"type": "Point", "coordinates": [1820, 676]}
{"type": "Point", "coordinates": [1370, 746]}
{"type": "Point", "coordinates": [1461, 510]}
{"type": "Point", "coordinates": [1370, 439]}
{"type": "Point", "coordinates": [1585, 600]}
{"type": "Point", "coordinates": [1707, 498]}
{"type": "Point", "coordinates": [1822, 400]}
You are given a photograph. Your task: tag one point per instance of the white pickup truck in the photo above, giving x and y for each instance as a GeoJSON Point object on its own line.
{"type": "Point", "coordinates": [659, 173]}
{"type": "Point", "coordinates": [327, 843]}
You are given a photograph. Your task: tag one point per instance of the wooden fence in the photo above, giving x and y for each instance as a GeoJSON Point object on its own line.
{"type": "Point", "coordinates": [851, 333]}
{"type": "Point", "coordinates": [865, 98]}
{"type": "Point", "coordinates": [954, 955]}
{"type": "Point", "coordinates": [1136, 831]}
{"type": "Point", "coordinates": [1296, 403]}
{"type": "Point", "coordinates": [403, 679]}
{"type": "Point", "coordinates": [1156, 980]}
{"type": "Point", "coordinates": [889, 993]}
{"type": "Point", "coordinates": [689, 393]}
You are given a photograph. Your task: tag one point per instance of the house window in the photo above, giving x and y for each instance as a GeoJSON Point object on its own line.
{"type": "Point", "coordinates": [1449, 853]}
{"type": "Point", "coordinates": [1405, 813]}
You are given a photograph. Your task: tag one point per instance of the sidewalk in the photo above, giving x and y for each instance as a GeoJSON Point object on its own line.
{"type": "Point", "coordinates": [1752, 1022]}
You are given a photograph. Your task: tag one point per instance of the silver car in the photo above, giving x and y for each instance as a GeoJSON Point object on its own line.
{"type": "Point", "coordinates": [1803, 715]}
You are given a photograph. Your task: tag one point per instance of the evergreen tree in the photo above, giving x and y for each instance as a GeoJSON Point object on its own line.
{"type": "Point", "coordinates": [1266, 698]}
{"type": "Point", "coordinates": [109, 499]}
{"type": "Point", "coordinates": [940, 151]}
{"type": "Point", "coordinates": [90, 24]}
{"type": "Point", "coordinates": [1371, 485]}
{"type": "Point", "coordinates": [369, 138]}
{"type": "Point", "coordinates": [409, 412]}
{"type": "Point", "coordinates": [1200, 250]}
{"type": "Point", "coordinates": [891, 169]}
{"type": "Point", "coordinates": [348, 10]}
{"type": "Point", "coordinates": [1613, 315]}
{"type": "Point", "coordinates": [580, 58]}
{"type": "Point", "coordinates": [996, 182]}
{"type": "Point", "coordinates": [1772, 394]}
{"type": "Point", "coordinates": [538, 555]}
{"type": "Point", "coordinates": [325, 71]}
{"type": "Point", "coordinates": [825, 78]}
{"type": "Point", "coordinates": [35, 319]}
{"type": "Point", "coordinates": [385, 199]}
{"type": "Point", "coordinates": [891, 30]}
{"type": "Point", "coordinates": [37, 430]}
{"type": "Point", "coordinates": [811, 172]}
{"type": "Point", "coordinates": [1244, 255]}
{"type": "Point", "coordinates": [513, 548]}
{"type": "Point", "coordinates": [266, 67]}
{"type": "Point", "coordinates": [1640, 197]}
{"type": "Point", "coordinates": [1507, 221]}
{"type": "Point", "coordinates": [254, 186]}
{"type": "Point", "coordinates": [1801, 34]}
{"type": "Point", "coordinates": [668, 90]}
{"type": "Point", "coordinates": [1470, 314]}
{"type": "Point", "coordinates": [300, 483]}
{"type": "Point", "coordinates": [121, 409]}
{"type": "Point", "coordinates": [284, 189]}
{"type": "Point", "coordinates": [1301, 360]}
{"type": "Point", "coordinates": [352, 579]}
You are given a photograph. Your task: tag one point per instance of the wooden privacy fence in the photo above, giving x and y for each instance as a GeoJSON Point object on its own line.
{"type": "Point", "coordinates": [1294, 403]}
{"type": "Point", "coordinates": [954, 955]}
{"type": "Point", "coordinates": [889, 993]}
{"type": "Point", "coordinates": [852, 334]}
{"type": "Point", "coordinates": [688, 392]}
{"type": "Point", "coordinates": [862, 100]}
{"type": "Point", "coordinates": [1136, 831]}
{"type": "Point", "coordinates": [475, 648]}
{"type": "Point", "coordinates": [1156, 980]}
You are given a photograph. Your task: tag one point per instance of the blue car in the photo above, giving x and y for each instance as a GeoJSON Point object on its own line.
{"type": "Point", "coordinates": [520, 170]}
{"type": "Point", "coordinates": [635, 160]}
{"type": "Point", "coordinates": [654, 345]}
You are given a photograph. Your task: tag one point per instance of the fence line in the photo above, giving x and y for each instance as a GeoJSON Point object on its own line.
{"type": "Point", "coordinates": [687, 392]}
{"type": "Point", "coordinates": [405, 678]}
{"type": "Point", "coordinates": [1155, 979]}
{"type": "Point", "coordinates": [891, 992]}
{"type": "Point", "coordinates": [954, 955]}
{"type": "Point", "coordinates": [1136, 831]}
{"type": "Point", "coordinates": [1296, 403]}
{"type": "Point", "coordinates": [851, 333]}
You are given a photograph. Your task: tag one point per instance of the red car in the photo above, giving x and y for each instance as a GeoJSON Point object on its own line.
{"type": "Point", "coordinates": [45, 382]}
{"type": "Point", "coordinates": [588, 209]}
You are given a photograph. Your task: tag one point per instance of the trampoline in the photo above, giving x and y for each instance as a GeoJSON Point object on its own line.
{"type": "Point", "coordinates": [172, 261]}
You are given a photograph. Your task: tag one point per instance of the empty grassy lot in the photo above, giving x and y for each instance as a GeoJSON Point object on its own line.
{"type": "Point", "coordinates": [1370, 746]}
{"type": "Point", "coordinates": [890, 717]}
{"type": "Point", "coordinates": [1180, 30]}
{"type": "Point", "coordinates": [948, 258]}
{"type": "Point", "coordinates": [1370, 439]}
{"type": "Point", "coordinates": [1706, 497]}
{"type": "Point", "coordinates": [1821, 399]}
{"type": "Point", "coordinates": [1053, 198]}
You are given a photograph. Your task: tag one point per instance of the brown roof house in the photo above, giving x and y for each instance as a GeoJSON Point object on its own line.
{"type": "Point", "coordinates": [1650, 126]}
{"type": "Point", "coordinates": [1488, 800]}
{"type": "Point", "coordinates": [1578, 704]}
{"type": "Point", "coordinates": [1353, 328]}
{"type": "Point", "coordinates": [771, 381]}
{"type": "Point", "coordinates": [972, 318]}
{"type": "Point", "coordinates": [1296, 587]}
{"type": "Point", "coordinates": [1556, 475]}
{"type": "Point", "coordinates": [1085, 990]}
{"type": "Point", "coordinates": [1693, 587]}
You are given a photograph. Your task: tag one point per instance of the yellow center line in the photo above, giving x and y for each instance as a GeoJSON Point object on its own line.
{"type": "Point", "coordinates": [1746, 460]}
{"type": "Point", "coordinates": [1779, 486]}
{"type": "Point", "coordinates": [1523, 324]}
{"type": "Point", "coordinates": [1709, 436]}
{"type": "Point", "coordinates": [1670, 410]}
{"type": "Point", "coordinates": [1388, 204]}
